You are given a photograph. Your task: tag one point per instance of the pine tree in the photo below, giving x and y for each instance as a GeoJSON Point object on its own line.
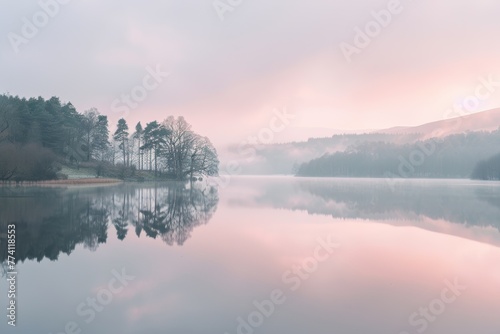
{"type": "Point", "coordinates": [100, 136]}
{"type": "Point", "coordinates": [138, 135]}
{"type": "Point", "coordinates": [121, 136]}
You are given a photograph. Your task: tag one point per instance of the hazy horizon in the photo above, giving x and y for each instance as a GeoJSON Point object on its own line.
{"type": "Point", "coordinates": [262, 56]}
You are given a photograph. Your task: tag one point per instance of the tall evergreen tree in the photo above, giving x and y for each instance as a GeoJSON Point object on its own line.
{"type": "Point", "coordinates": [138, 135]}
{"type": "Point", "coordinates": [100, 137]}
{"type": "Point", "coordinates": [154, 140]}
{"type": "Point", "coordinates": [121, 136]}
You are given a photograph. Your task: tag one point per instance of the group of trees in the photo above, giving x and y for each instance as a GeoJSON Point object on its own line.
{"type": "Point", "coordinates": [488, 169]}
{"type": "Point", "coordinates": [170, 148]}
{"type": "Point", "coordinates": [278, 158]}
{"type": "Point", "coordinates": [455, 156]}
{"type": "Point", "coordinates": [32, 133]}
{"type": "Point", "coordinates": [29, 162]}
{"type": "Point", "coordinates": [35, 133]}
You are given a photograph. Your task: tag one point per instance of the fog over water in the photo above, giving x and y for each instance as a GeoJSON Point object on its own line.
{"type": "Point", "coordinates": [209, 254]}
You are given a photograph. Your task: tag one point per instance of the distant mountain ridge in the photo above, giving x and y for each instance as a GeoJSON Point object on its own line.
{"type": "Point", "coordinates": [286, 157]}
{"type": "Point", "coordinates": [482, 121]}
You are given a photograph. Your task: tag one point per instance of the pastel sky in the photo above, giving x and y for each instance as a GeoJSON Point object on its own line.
{"type": "Point", "coordinates": [227, 76]}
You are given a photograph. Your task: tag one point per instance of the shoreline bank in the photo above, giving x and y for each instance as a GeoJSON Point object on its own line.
{"type": "Point", "coordinates": [84, 181]}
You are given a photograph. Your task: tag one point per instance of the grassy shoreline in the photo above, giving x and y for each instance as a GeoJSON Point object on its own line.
{"type": "Point", "coordinates": [82, 181]}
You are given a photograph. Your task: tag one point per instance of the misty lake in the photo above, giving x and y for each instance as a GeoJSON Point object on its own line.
{"type": "Point", "coordinates": [269, 255]}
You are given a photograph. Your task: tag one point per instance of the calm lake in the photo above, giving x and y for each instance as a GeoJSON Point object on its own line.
{"type": "Point", "coordinates": [267, 255]}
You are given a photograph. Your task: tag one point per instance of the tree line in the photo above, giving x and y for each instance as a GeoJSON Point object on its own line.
{"type": "Point", "coordinates": [38, 136]}
{"type": "Point", "coordinates": [488, 169]}
{"type": "Point", "coordinates": [455, 156]}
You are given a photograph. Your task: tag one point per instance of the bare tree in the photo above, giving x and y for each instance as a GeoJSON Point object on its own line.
{"type": "Point", "coordinates": [187, 153]}
{"type": "Point", "coordinates": [89, 124]}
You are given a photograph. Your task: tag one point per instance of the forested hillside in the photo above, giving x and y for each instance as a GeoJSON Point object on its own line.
{"type": "Point", "coordinates": [38, 137]}
{"type": "Point", "coordinates": [488, 169]}
{"type": "Point", "coordinates": [286, 157]}
{"type": "Point", "coordinates": [454, 156]}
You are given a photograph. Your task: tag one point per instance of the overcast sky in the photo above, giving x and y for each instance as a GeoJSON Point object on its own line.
{"type": "Point", "coordinates": [226, 76]}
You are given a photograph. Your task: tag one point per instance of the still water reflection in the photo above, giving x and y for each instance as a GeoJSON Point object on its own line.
{"type": "Point", "coordinates": [202, 258]}
{"type": "Point", "coordinates": [50, 221]}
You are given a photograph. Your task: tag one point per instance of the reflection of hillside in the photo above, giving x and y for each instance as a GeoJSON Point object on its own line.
{"type": "Point", "coordinates": [50, 221]}
{"type": "Point", "coordinates": [376, 200]}
{"type": "Point", "coordinates": [464, 205]}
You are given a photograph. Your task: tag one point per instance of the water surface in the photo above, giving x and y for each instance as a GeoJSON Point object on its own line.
{"type": "Point", "coordinates": [202, 258]}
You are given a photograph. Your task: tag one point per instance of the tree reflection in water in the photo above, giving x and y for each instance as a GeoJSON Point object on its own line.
{"type": "Point", "coordinates": [173, 213]}
{"type": "Point", "coordinates": [50, 221]}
